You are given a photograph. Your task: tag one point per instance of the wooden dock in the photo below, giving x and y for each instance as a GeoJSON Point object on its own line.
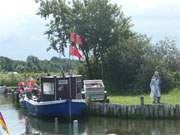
{"type": "Point", "coordinates": [146, 111]}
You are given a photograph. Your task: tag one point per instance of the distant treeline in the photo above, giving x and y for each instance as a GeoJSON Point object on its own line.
{"type": "Point", "coordinates": [34, 64]}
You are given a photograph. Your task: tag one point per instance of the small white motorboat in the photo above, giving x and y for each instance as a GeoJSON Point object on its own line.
{"type": "Point", "coordinates": [2, 89]}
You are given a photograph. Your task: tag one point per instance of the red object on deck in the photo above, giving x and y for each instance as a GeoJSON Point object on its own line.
{"type": "Point", "coordinates": [28, 83]}
{"type": "Point", "coordinates": [20, 83]}
{"type": "Point", "coordinates": [20, 90]}
{"type": "Point", "coordinates": [28, 89]}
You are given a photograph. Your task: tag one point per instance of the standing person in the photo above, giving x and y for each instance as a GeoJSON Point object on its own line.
{"type": "Point", "coordinates": [155, 87]}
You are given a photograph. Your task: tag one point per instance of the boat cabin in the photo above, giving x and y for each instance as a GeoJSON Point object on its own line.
{"type": "Point", "coordinates": [56, 88]}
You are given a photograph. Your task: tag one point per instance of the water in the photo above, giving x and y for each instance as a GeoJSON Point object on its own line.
{"type": "Point", "coordinates": [19, 123]}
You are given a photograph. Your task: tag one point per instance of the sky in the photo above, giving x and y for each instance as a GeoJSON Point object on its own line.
{"type": "Point", "coordinates": [21, 30]}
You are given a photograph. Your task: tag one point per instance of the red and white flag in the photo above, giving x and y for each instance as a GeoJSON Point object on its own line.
{"type": "Point", "coordinates": [78, 40]}
{"type": "Point", "coordinates": [74, 51]}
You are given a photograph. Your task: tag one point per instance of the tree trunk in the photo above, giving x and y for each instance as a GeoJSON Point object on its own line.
{"type": "Point", "coordinates": [89, 70]}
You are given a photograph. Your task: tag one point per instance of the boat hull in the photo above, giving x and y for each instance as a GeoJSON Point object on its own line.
{"type": "Point", "coordinates": [23, 103]}
{"type": "Point", "coordinates": [62, 108]}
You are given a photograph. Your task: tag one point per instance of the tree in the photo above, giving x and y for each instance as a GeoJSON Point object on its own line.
{"type": "Point", "coordinates": [99, 23]}
{"type": "Point", "coordinates": [164, 57]}
{"type": "Point", "coordinates": [6, 64]}
{"type": "Point", "coordinates": [123, 62]}
{"type": "Point", "coordinates": [33, 64]}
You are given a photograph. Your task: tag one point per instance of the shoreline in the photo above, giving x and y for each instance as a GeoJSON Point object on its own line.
{"type": "Point", "coordinates": [147, 111]}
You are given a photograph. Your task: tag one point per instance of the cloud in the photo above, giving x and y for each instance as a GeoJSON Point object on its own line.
{"type": "Point", "coordinates": [21, 30]}
{"type": "Point", "coordinates": [156, 18]}
{"type": "Point", "coordinates": [166, 10]}
{"type": "Point", "coordinates": [15, 13]}
{"type": "Point", "coordinates": [12, 8]}
{"type": "Point", "coordinates": [19, 20]}
{"type": "Point", "coordinates": [148, 4]}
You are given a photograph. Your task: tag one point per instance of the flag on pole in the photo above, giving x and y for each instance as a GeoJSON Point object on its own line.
{"type": "Point", "coordinates": [78, 40]}
{"type": "Point", "coordinates": [3, 123]}
{"type": "Point", "coordinates": [74, 51]}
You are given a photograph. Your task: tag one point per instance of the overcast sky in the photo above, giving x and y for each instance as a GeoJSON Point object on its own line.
{"type": "Point", "coordinates": [21, 30]}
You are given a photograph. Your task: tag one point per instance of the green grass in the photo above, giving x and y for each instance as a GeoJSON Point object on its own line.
{"type": "Point", "coordinates": [172, 97]}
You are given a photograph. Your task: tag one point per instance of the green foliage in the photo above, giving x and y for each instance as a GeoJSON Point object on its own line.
{"type": "Point", "coordinates": [122, 62]}
{"type": "Point", "coordinates": [99, 23]}
{"type": "Point", "coordinates": [33, 64]}
{"type": "Point", "coordinates": [11, 78]}
{"type": "Point", "coordinates": [6, 64]}
{"type": "Point", "coordinates": [165, 58]}
{"type": "Point", "coordinates": [131, 64]}
{"type": "Point", "coordinates": [124, 59]}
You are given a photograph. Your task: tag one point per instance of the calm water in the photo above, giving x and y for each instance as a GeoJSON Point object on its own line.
{"type": "Point", "coordinates": [19, 123]}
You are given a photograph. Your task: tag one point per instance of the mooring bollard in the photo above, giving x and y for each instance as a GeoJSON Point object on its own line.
{"type": "Point", "coordinates": [75, 127]}
{"type": "Point", "coordinates": [142, 101]}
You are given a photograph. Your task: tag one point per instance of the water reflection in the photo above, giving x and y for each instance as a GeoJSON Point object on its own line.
{"type": "Point", "coordinates": [132, 127]}
{"type": "Point", "coordinates": [102, 126]}
{"type": "Point", "coordinates": [49, 126]}
{"type": "Point", "coordinates": [20, 123]}
{"type": "Point", "coordinates": [5, 99]}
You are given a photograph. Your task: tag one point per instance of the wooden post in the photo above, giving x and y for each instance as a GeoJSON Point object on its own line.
{"type": "Point", "coordinates": [142, 102]}
{"type": "Point", "coordinates": [166, 111]}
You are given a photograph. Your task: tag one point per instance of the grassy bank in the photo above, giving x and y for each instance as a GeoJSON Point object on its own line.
{"type": "Point", "coordinates": [172, 97]}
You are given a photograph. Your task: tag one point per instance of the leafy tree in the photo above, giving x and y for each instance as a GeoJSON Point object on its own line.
{"type": "Point", "coordinates": [164, 57]}
{"type": "Point", "coordinates": [6, 64]}
{"type": "Point", "coordinates": [99, 23]}
{"type": "Point", "coordinates": [33, 64]}
{"type": "Point", "coordinates": [20, 68]}
{"type": "Point", "coordinates": [123, 62]}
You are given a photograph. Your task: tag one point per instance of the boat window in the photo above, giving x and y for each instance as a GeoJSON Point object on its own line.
{"type": "Point", "coordinates": [94, 85]}
{"type": "Point", "coordinates": [48, 88]}
{"type": "Point", "coordinates": [79, 85]}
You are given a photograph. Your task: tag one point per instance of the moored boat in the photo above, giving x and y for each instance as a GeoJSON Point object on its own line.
{"type": "Point", "coordinates": [62, 108]}
{"type": "Point", "coordinates": [59, 96]}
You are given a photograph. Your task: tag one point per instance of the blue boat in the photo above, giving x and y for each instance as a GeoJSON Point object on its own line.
{"type": "Point", "coordinates": [22, 102]}
{"type": "Point", "coordinates": [60, 96]}
{"type": "Point", "coordinates": [64, 108]}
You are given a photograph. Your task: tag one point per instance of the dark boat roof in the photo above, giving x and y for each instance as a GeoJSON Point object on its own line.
{"type": "Point", "coordinates": [67, 76]}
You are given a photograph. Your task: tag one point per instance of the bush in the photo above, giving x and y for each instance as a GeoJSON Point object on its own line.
{"type": "Point", "coordinates": [11, 79]}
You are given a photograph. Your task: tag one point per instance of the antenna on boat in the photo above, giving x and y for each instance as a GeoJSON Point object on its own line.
{"type": "Point", "coordinates": [69, 84]}
{"type": "Point", "coordinates": [69, 100]}
{"type": "Point", "coordinates": [69, 72]}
